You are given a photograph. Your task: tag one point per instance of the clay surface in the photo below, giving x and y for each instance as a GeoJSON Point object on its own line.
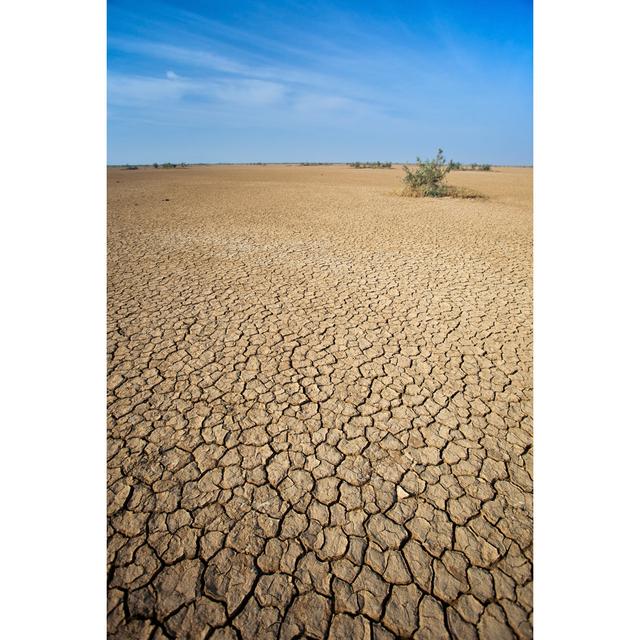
{"type": "Point", "coordinates": [319, 405]}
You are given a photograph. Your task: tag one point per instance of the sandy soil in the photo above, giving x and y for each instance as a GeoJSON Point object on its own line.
{"type": "Point", "coordinates": [319, 403]}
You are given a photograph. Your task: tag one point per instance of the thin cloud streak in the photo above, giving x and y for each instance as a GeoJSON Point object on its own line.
{"type": "Point", "coordinates": [213, 62]}
{"type": "Point", "coordinates": [229, 81]}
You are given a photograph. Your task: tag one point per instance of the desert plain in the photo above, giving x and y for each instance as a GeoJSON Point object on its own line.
{"type": "Point", "coordinates": [319, 405]}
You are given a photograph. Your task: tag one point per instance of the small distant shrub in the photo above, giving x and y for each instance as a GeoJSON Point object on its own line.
{"type": "Point", "coordinates": [485, 167]}
{"type": "Point", "coordinates": [169, 165]}
{"type": "Point", "coordinates": [155, 165]}
{"type": "Point", "coordinates": [315, 164]}
{"type": "Point", "coordinates": [427, 180]}
{"type": "Point", "coordinates": [370, 165]}
{"type": "Point", "coordinates": [130, 167]}
{"type": "Point", "coordinates": [454, 166]}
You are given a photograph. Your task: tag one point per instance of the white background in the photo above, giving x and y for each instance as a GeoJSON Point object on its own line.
{"type": "Point", "coordinates": [52, 354]}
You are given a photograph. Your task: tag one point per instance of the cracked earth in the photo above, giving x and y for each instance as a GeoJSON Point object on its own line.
{"type": "Point", "coordinates": [319, 406]}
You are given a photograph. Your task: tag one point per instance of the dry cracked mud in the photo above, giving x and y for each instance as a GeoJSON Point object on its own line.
{"type": "Point", "coordinates": [319, 405]}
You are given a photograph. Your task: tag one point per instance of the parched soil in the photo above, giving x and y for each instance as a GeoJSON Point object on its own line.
{"type": "Point", "coordinates": [319, 405]}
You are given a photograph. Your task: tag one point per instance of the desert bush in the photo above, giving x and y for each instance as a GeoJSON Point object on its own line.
{"type": "Point", "coordinates": [485, 167]}
{"type": "Point", "coordinates": [454, 166]}
{"type": "Point", "coordinates": [169, 165]}
{"type": "Point", "coordinates": [155, 165]}
{"type": "Point", "coordinates": [130, 167]}
{"type": "Point", "coordinates": [427, 180]}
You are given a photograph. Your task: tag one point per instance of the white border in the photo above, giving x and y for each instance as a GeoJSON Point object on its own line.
{"type": "Point", "coordinates": [53, 322]}
{"type": "Point", "coordinates": [586, 328]}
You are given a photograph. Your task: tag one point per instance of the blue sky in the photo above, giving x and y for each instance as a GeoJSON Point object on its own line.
{"type": "Point", "coordinates": [287, 81]}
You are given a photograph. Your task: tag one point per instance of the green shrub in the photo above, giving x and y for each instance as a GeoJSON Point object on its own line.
{"type": "Point", "coordinates": [155, 165]}
{"type": "Point", "coordinates": [454, 166]}
{"type": "Point", "coordinates": [428, 178]}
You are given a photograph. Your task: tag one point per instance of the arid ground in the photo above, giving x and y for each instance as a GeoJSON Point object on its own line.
{"type": "Point", "coordinates": [319, 405]}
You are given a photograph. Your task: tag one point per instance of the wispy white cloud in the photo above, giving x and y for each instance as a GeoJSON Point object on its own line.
{"type": "Point", "coordinates": [313, 103]}
{"type": "Point", "coordinates": [136, 91]}
{"type": "Point", "coordinates": [222, 80]}
{"type": "Point", "coordinates": [246, 67]}
{"type": "Point", "coordinates": [183, 55]}
{"type": "Point", "coordinates": [214, 62]}
{"type": "Point", "coordinates": [249, 92]}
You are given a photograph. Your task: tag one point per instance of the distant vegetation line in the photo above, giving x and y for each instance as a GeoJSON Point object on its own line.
{"type": "Point", "coordinates": [370, 165]}
{"type": "Point", "coordinates": [455, 166]}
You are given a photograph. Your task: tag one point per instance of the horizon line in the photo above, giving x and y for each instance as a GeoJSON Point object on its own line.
{"type": "Point", "coordinates": [300, 162]}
